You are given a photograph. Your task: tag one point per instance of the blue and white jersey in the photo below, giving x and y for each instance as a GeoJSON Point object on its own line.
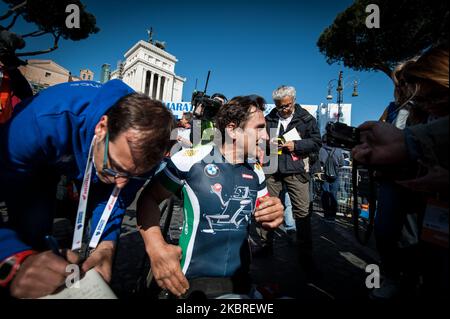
{"type": "Point", "coordinates": [219, 200]}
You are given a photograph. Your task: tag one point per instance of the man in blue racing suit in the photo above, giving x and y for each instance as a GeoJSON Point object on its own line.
{"type": "Point", "coordinates": [107, 138]}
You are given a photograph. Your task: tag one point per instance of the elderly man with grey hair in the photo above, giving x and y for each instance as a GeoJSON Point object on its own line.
{"type": "Point", "coordinates": [298, 138]}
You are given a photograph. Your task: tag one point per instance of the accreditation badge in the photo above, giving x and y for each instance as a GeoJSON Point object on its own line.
{"type": "Point", "coordinates": [435, 223]}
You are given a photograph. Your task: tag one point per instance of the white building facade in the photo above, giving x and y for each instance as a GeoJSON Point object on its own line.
{"type": "Point", "coordinates": [151, 71]}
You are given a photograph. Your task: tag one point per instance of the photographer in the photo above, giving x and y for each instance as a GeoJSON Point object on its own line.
{"type": "Point", "coordinates": [396, 222]}
{"type": "Point", "coordinates": [205, 110]}
{"type": "Point", "coordinates": [424, 144]}
{"type": "Point", "coordinates": [13, 85]}
{"type": "Point", "coordinates": [219, 97]}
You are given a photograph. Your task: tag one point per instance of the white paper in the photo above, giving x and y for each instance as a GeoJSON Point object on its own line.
{"type": "Point", "coordinates": [292, 135]}
{"type": "Point", "coordinates": [92, 286]}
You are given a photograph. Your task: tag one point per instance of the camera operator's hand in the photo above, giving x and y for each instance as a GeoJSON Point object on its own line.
{"type": "Point", "coordinates": [382, 143]}
{"type": "Point", "coordinates": [41, 274]}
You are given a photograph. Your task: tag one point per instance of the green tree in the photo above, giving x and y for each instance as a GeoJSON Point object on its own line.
{"type": "Point", "coordinates": [407, 27]}
{"type": "Point", "coordinates": [49, 16]}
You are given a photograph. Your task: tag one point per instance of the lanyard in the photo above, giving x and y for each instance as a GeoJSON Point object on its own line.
{"type": "Point", "coordinates": [278, 127]}
{"type": "Point", "coordinates": [82, 204]}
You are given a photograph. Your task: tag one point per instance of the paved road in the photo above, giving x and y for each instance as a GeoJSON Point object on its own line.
{"type": "Point", "coordinates": [339, 260]}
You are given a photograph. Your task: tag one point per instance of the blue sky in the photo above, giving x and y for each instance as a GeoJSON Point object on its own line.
{"type": "Point", "coordinates": [250, 46]}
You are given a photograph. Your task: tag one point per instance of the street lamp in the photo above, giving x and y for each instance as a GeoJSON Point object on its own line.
{"type": "Point", "coordinates": [340, 90]}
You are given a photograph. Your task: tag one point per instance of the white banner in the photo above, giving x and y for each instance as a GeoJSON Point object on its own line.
{"type": "Point", "coordinates": [323, 113]}
{"type": "Point", "coordinates": [178, 108]}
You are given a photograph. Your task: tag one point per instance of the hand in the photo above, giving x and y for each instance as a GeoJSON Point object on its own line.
{"type": "Point", "coordinates": [289, 146]}
{"type": "Point", "coordinates": [382, 143]}
{"type": "Point", "coordinates": [185, 142]}
{"type": "Point", "coordinates": [101, 260]}
{"type": "Point", "coordinates": [274, 141]}
{"type": "Point", "coordinates": [166, 268]}
{"type": "Point", "coordinates": [270, 212]}
{"type": "Point", "coordinates": [41, 274]}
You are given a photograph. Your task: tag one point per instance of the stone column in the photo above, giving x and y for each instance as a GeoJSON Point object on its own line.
{"type": "Point", "coordinates": [147, 74]}
{"type": "Point", "coordinates": [144, 78]}
{"type": "Point", "coordinates": [133, 79]}
{"type": "Point", "coordinates": [158, 87]}
{"type": "Point", "coordinates": [166, 95]}
{"type": "Point", "coordinates": [138, 78]}
{"type": "Point", "coordinates": [150, 92]}
{"type": "Point", "coordinates": [163, 84]}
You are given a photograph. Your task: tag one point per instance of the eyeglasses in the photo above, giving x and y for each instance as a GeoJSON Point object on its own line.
{"type": "Point", "coordinates": [283, 107]}
{"type": "Point", "coordinates": [110, 172]}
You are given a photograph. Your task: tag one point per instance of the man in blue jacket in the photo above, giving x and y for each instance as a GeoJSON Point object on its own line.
{"type": "Point", "coordinates": [108, 138]}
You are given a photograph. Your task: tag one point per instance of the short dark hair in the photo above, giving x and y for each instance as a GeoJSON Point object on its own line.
{"type": "Point", "coordinates": [237, 111]}
{"type": "Point", "coordinates": [188, 116]}
{"type": "Point", "coordinates": [153, 121]}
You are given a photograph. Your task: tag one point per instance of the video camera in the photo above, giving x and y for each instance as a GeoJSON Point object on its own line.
{"type": "Point", "coordinates": [342, 136]}
{"type": "Point", "coordinates": [209, 106]}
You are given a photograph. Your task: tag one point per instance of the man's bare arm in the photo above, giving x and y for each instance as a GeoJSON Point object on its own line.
{"type": "Point", "coordinates": [164, 258]}
{"type": "Point", "coordinates": [148, 212]}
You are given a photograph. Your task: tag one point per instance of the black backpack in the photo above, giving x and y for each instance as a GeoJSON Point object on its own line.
{"type": "Point", "coordinates": [330, 169]}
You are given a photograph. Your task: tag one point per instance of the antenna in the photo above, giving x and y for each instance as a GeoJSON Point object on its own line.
{"type": "Point", "coordinates": [207, 80]}
{"type": "Point", "coordinates": [196, 81]}
{"type": "Point", "coordinates": [150, 35]}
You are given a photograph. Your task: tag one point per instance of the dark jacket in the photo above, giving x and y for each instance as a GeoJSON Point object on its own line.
{"type": "Point", "coordinates": [310, 143]}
